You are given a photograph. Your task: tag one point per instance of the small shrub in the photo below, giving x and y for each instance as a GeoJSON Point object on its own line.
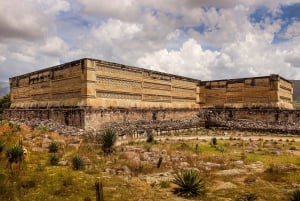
{"type": "Point", "coordinates": [189, 183]}
{"type": "Point", "coordinates": [214, 141]}
{"type": "Point", "coordinates": [15, 127]}
{"type": "Point", "coordinates": [53, 159]}
{"type": "Point", "coordinates": [87, 199]}
{"type": "Point", "coordinates": [293, 148]}
{"type": "Point", "coordinates": [150, 138]}
{"type": "Point", "coordinates": [15, 154]}
{"type": "Point", "coordinates": [184, 146]}
{"type": "Point", "coordinates": [274, 172]}
{"type": "Point", "coordinates": [28, 184]}
{"type": "Point", "coordinates": [295, 195]}
{"type": "Point", "coordinates": [77, 162]}
{"type": "Point", "coordinates": [53, 147]}
{"type": "Point", "coordinates": [43, 129]}
{"type": "Point", "coordinates": [108, 140]}
{"type": "Point", "coordinates": [164, 184]}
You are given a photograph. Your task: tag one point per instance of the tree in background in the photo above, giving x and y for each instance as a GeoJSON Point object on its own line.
{"type": "Point", "coordinates": [4, 102]}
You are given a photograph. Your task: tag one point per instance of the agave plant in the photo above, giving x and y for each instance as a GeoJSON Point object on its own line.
{"type": "Point", "coordinates": [150, 138]}
{"type": "Point", "coordinates": [295, 195]}
{"type": "Point", "coordinates": [108, 140]}
{"type": "Point", "coordinates": [189, 184]}
{"type": "Point", "coordinates": [53, 147]}
{"type": "Point", "coordinates": [53, 159]}
{"type": "Point", "coordinates": [77, 162]}
{"type": "Point", "coordinates": [15, 154]}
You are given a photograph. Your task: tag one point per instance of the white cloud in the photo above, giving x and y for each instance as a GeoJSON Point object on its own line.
{"type": "Point", "coordinates": [191, 60]}
{"type": "Point", "coordinates": [54, 46]}
{"type": "Point", "coordinates": [22, 57]}
{"type": "Point", "coordinates": [2, 59]}
{"type": "Point", "coordinates": [22, 20]}
{"type": "Point", "coordinates": [54, 6]}
{"type": "Point", "coordinates": [293, 30]}
{"type": "Point", "coordinates": [161, 35]}
{"type": "Point", "coordinates": [125, 9]}
{"type": "Point", "coordinates": [116, 30]}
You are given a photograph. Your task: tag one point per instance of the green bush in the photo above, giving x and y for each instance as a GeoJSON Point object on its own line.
{"type": "Point", "coordinates": [189, 184]}
{"type": "Point", "coordinates": [150, 138]}
{"type": "Point", "coordinates": [15, 154]}
{"type": "Point", "coordinates": [53, 147]}
{"type": "Point", "coordinates": [295, 195]}
{"type": "Point", "coordinates": [77, 162]}
{"type": "Point", "coordinates": [214, 141]}
{"type": "Point", "coordinates": [4, 103]}
{"type": "Point", "coordinates": [53, 159]}
{"type": "Point", "coordinates": [108, 140]}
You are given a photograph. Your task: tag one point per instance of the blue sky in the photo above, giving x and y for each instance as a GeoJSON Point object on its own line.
{"type": "Point", "coordinates": [205, 39]}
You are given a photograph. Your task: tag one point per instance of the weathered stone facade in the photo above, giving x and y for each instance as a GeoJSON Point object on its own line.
{"type": "Point", "coordinates": [269, 92]}
{"type": "Point", "coordinates": [100, 84]}
{"type": "Point", "coordinates": [91, 93]}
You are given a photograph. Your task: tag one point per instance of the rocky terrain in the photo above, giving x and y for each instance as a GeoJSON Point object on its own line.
{"type": "Point", "coordinates": [234, 166]}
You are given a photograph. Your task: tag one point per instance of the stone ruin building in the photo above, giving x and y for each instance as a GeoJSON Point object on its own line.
{"type": "Point", "coordinates": [90, 93]}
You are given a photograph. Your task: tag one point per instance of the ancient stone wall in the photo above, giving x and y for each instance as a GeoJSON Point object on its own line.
{"type": "Point", "coordinates": [125, 121]}
{"type": "Point", "coordinates": [100, 84]}
{"type": "Point", "coordinates": [59, 86]}
{"type": "Point", "coordinates": [137, 119]}
{"type": "Point", "coordinates": [270, 120]}
{"type": "Point", "coordinates": [269, 91]}
{"type": "Point", "coordinates": [71, 117]}
{"type": "Point", "coordinates": [116, 85]}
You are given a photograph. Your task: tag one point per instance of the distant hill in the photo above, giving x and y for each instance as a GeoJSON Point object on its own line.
{"type": "Point", "coordinates": [4, 88]}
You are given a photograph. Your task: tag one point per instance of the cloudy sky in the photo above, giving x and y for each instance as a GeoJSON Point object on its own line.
{"type": "Point", "coordinates": [203, 39]}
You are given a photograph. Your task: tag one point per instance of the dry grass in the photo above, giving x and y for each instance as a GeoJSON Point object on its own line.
{"type": "Point", "coordinates": [38, 180]}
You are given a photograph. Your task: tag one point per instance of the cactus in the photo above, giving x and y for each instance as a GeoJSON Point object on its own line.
{"type": "Point", "coordinates": [159, 162]}
{"type": "Point", "coordinates": [99, 190]}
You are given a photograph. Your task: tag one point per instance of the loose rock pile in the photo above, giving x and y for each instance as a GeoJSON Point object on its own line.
{"type": "Point", "coordinates": [242, 124]}
{"type": "Point", "coordinates": [50, 125]}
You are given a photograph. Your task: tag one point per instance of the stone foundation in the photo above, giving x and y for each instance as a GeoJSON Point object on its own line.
{"type": "Point", "coordinates": [67, 116]}
{"type": "Point", "coordinates": [123, 120]}
{"type": "Point", "coordinates": [159, 121]}
{"type": "Point", "coordinates": [260, 120]}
